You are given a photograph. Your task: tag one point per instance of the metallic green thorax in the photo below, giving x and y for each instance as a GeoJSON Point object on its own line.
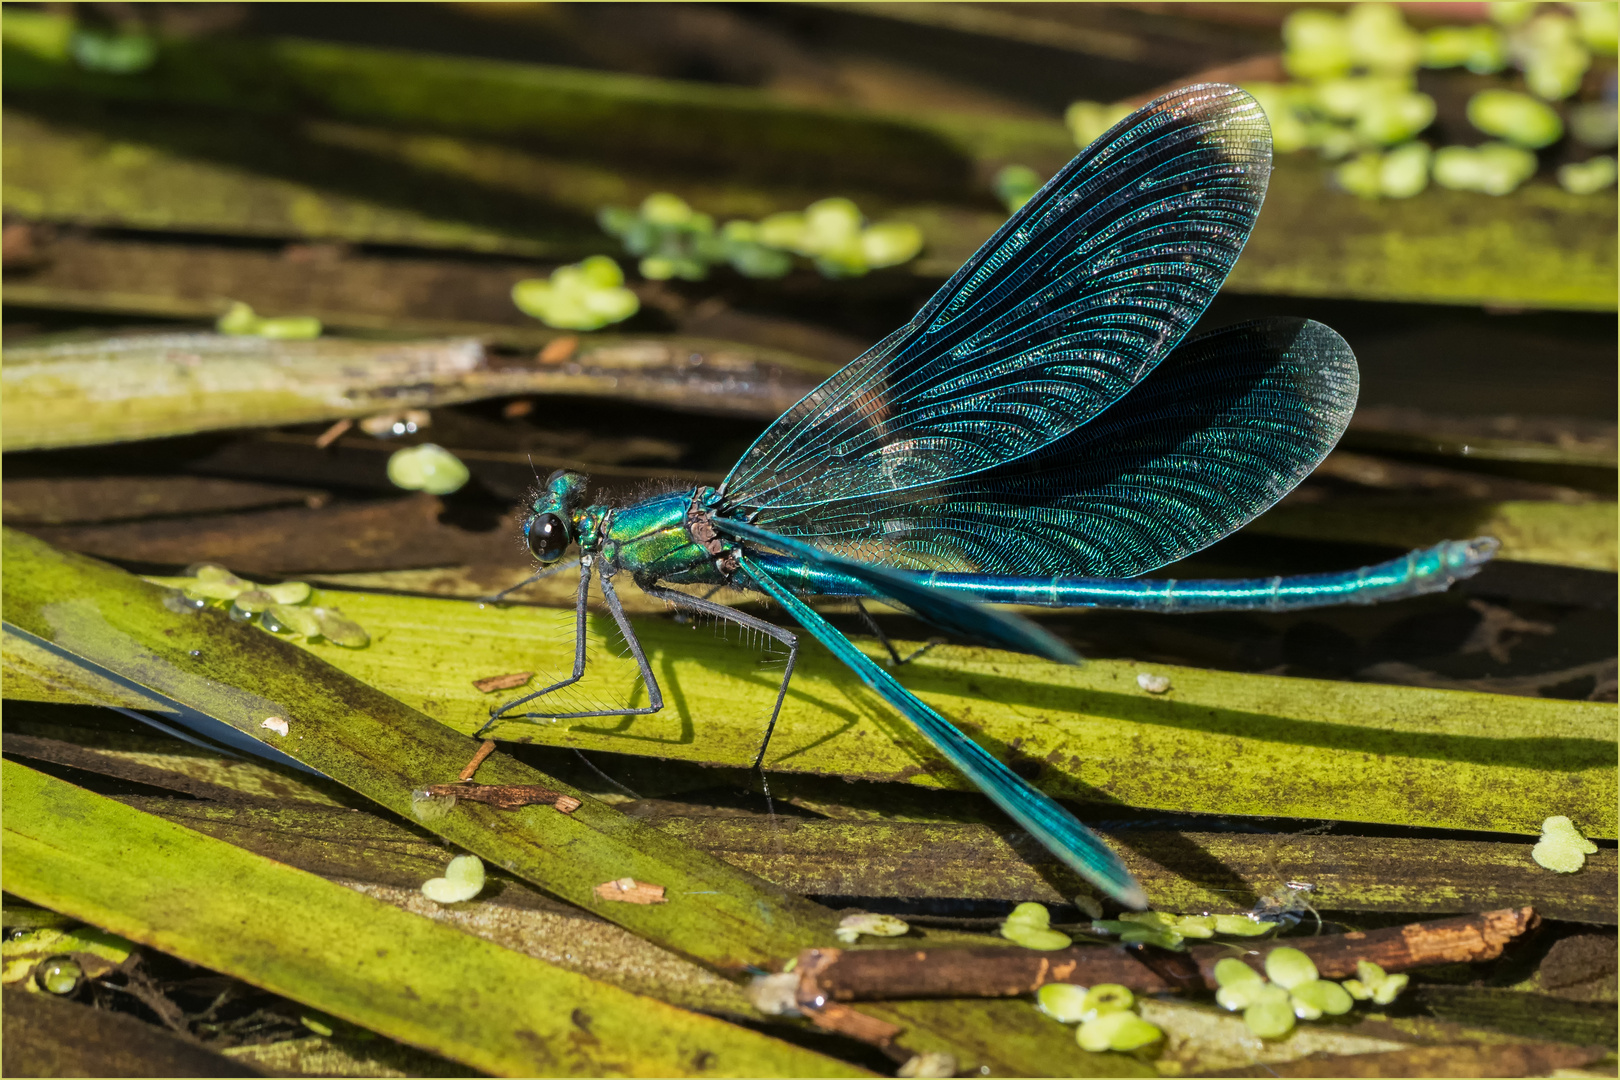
{"type": "Point", "coordinates": [653, 539]}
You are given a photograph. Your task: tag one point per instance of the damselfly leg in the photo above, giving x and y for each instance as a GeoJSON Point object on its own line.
{"type": "Point", "coordinates": [895, 659]}
{"type": "Point", "coordinates": [655, 696]}
{"type": "Point", "coordinates": [720, 611]}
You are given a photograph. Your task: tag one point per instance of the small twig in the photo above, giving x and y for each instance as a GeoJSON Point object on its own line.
{"type": "Point", "coordinates": [477, 759]}
{"type": "Point", "coordinates": [333, 433]}
{"type": "Point", "coordinates": [143, 988]}
{"type": "Point", "coordinates": [994, 971]}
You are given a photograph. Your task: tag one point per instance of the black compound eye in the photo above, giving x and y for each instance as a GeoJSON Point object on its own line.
{"type": "Point", "coordinates": [548, 537]}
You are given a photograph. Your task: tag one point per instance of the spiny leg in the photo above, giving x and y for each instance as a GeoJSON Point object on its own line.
{"type": "Point", "coordinates": [720, 611]}
{"type": "Point", "coordinates": [895, 659]}
{"type": "Point", "coordinates": [579, 650]}
{"type": "Point", "coordinates": [654, 695]}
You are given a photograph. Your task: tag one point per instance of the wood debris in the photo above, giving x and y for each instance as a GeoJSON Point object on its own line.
{"type": "Point", "coordinates": [471, 767]}
{"type": "Point", "coordinates": [997, 971]}
{"type": "Point", "coordinates": [559, 351]}
{"type": "Point", "coordinates": [333, 433]}
{"type": "Point", "coordinates": [502, 682]}
{"type": "Point", "coordinates": [630, 891]}
{"type": "Point", "coordinates": [843, 1020]}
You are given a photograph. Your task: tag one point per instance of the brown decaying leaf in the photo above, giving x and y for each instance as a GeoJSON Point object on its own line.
{"type": "Point", "coordinates": [630, 891]}
{"type": "Point", "coordinates": [503, 682]}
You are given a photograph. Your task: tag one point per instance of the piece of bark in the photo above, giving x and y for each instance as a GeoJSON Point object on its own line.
{"type": "Point", "coordinates": [879, 974]}
{"type": "Point", "coordinates": [843, 1020]}
{"type": "Point", "coordinates": [502, 682]}
{"type": "Point", "coordinates": [1502, 1059]}
{"type": "Point", "coordinates": [630, 891]}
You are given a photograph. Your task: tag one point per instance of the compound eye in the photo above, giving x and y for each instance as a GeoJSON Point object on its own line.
{"type": "Point", "coordinates": [548, 537]}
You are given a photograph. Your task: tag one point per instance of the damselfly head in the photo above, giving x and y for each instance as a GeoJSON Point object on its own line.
{"type": "Point", "coordinates": [549, 529]}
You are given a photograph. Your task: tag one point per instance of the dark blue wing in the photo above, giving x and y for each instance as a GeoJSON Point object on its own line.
{"type": "Point", "coordinates": [947, 612]}
{"type": "Point", "coordinates": [1066, 308]}
{"type": "Point", "coordinates": [1229, 424]}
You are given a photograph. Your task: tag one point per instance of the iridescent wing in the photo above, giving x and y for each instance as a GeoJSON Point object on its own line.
{"type": "Point", "coordinates": [1069, 305]}
{"type": "Point", "coordinates": [1229, 424]}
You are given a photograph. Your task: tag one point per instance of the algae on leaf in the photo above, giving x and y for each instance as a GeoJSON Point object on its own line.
{"type": "Point", "coordinates": [351, 956]}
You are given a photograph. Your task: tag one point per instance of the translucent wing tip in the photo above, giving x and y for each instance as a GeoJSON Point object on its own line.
{"type": "Point", "coordinates": [1133, 896]}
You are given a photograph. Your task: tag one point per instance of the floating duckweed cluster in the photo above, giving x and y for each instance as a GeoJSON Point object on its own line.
{"type": "Point", "coordinates": [851, 927]}
{"type": "Point", "coordinates": [1170, 931]}
{"type": "Point", "coordinates": [427, 467]}
{"type": "Point", "coordinates": [1015, 185]}
{"type": "Point", "coordinates": [1105, 1015]}
{"type": "Point", "coordinates": [1087, 120]}
{"type": "Point", "coordinates": [1292, 989]}
{"type": "Point", "coordinates": [1561, 848]}
{"type": "Point", "coordinates": [280, 609]}
{"type": "Point", "coordinates": [242, 321]}
{"type": "Point", "coordinates": [1587, 177]}
{"type": "Point", "coordinates": [463, 879]}
{"type": "Point", "coordinates": [1030, 925]}
{"type": "Point", "coordinates": [587, 295]}
{"type": "Point", "coordinates": [1493, 168]}
{"type": "Point", "coordinates": [112, 52]}
{"type": "Point", "coordinates": [1354, 98]}
{"type": "Point", "coordinates": [675, 241]}
{"type": "Point", "coordinates": [1373, 983]}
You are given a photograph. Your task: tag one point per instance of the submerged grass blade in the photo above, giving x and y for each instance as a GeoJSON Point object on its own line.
{"type": "Point", "coordinates": [349, 955]}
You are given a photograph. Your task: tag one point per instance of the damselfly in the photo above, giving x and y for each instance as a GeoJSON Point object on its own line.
{"type": "Point", "coordinates": [1037, 434]}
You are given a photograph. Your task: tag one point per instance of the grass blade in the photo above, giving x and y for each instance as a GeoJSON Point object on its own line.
{"type": "Point", "coordinates": [298, 935]}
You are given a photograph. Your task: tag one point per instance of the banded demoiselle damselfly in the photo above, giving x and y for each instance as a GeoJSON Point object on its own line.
{"type": "Point", "coordinates": [1039, 433]}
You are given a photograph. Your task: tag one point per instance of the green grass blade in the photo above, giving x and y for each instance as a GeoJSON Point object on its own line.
{"type": "Point", "coordinates": [1563, 534]}
{"type": "Point", "coordinates": [384, 750]}
{"type": "Point", "coordinates": [1218, 742]}
{"type": "Point", "coordinates": [1539, 247]}
{"type": "Point", "coordinates": [146, 386]}
{"type": "Point", "coordinates": [404, 976]}
{"type": "Point", "coordinates": [718, 915]}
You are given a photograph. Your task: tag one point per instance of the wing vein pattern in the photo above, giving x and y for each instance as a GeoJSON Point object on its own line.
{"type": "Point", "coordinates": [1072, 303]}
{"type": "Point", "coordinates": [1229, 424]}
